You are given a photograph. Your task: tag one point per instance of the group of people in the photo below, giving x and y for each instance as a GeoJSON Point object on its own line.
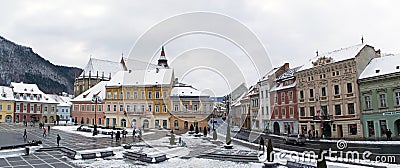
{"type": "Point", "coordinates": [124, 133]}
{"type": "Point", "coordinates": [25, 136]}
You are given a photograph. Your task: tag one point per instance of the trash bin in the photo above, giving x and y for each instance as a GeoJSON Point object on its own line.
{"type": "Point", "coordinates": [26, 150]}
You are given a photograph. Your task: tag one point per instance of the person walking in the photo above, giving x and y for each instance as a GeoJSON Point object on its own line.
{"type": "Point", "coordinates": [48, 129]}
{"type": "Point", "coordinates": [389, 134]}
{"type": "Point", "coordinates": [117, 136]}
{"type": "Point", "coordinates": [44, 132]}
{"type": "Point", "coordinates": [25, 135]}
{"type": "Point", "coordinates": [112, 134]}
{"type": "Point", "coordinates": [58, 140]}
{"type": "Point", "coordinates": [262, 144]}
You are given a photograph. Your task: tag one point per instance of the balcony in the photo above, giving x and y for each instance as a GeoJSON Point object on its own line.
{"type": "Point", "coordinates": [323, 98]}
{"type": "Point", "coordinates": [311, 99]}
{"type": "Point", "coordinates": [349, 95]}
{"type": "Point", "coordinates": [336, 96]}
{"type": "Point", "coordinates": [301, 100]}
{"type": "Point", "coordinates": [326, 118]}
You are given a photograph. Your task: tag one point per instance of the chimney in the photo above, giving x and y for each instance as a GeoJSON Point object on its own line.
{"type": "Point", "coordinates": [157, 70]}
{"type": "Point", "coordinates": [362, 40]}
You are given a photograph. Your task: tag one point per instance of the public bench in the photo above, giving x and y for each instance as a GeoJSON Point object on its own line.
{"type": "Point", "coordinates": [161, 158]}
{"type": "Point", "coordinates": [88, 156]}
{"type": "Point", "coordinates": [106, 154]}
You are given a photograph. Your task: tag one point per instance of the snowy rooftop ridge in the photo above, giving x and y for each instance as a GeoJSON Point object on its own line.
{"type": "Point", "coordinates": [99, 89]}
{"type": "Point", "coordinates": [142, 77]}
{"type": "Point", "coordinates": [382, 66]}
{"type": "Point", "coordinates": [186, 91]}
{"type": "Point", "coordinates": [336, 55]}
{"type": "Point", "coordinates": [6, 93]}
{"type": "Point", "coordinates": [30, 89]}
{"type": "Point", "coordinates": [100, 66]}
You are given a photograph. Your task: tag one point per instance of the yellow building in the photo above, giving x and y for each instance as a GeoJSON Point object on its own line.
{"type": "Point", "coordinates": [139, 99]}
{"type": "Point", "coordinates": [6, 104]}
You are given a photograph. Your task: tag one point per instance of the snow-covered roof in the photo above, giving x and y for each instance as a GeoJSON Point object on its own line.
{"type": "Point", "coordinates": [61, 100]}
{"type": "Point", "coordinates": [336, 55]}
{"type": "Point", "coordinates": [281, 87]}
{"type": "Point", "coordinates": [6, 93]}
{"type": "Point", "coordinates": [288, 74]}
{"type": "Point", "coordinates": [99, 66]}
{"type": "Point", "coordinates": [142, 77]}
{"type": "Point", "coordinates": [186, 91]}
{"type": "Point", "coordinates": [382, 66]}
{"type": "Point", "coordinates": [269, 73]}
{"type": "Point", "coordinates": [98, 89]}
{"type": "Point", "coordinates": [134, 64]}
{"type": "Point", "coordinates": [30, 89]}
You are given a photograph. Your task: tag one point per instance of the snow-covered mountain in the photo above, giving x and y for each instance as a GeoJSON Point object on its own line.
{"type": "Point", "coordinates": [20, 64]}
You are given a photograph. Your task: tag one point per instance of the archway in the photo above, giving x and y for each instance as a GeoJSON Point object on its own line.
{"type": "Point", "coordinates": [176, 126]}
{"type": "Point", "coordinates": [123, 123]}
{"type": "Point", "coordinates": [134, 123]}
{"type": "Point", "coordinates": [397, 127]}
{"type": "Point", "coordinates": [8, 118]}
{"type": "Point", "coordinates": [51, 119]}
{"type": "Point", "coordinates": [45, 119]}
{"type": "Point", "coordinates": [146, 123]}
{"type": "Point", "coordinates": [276, 128]}
{"type": "Point", "coordinates": [185, 125]}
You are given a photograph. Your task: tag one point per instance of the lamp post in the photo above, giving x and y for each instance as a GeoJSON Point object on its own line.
{"type": "Point", "coordinates": [96, 99]}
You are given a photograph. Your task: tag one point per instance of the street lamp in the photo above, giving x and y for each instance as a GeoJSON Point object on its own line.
{"type": "Point", "coordinates": [96, 99]}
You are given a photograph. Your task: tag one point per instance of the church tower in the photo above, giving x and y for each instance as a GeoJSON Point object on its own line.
{"type": "Point", "coordinates": [162, 61]}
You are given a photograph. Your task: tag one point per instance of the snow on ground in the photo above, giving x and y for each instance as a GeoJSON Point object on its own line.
{"type": "Point", "coordinates": [72, 129]}
{"type": "Point", "coordinates": [17, 152]}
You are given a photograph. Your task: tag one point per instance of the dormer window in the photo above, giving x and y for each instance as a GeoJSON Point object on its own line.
{"type": "Point", "coordinates": [17, 96]}
{"type": "Point", "coordinates": [3, 95]}
{"type": "Point", "coordinates": [397, 67]}
{"type": "Point", "coordinates": [25, 89]}
{"type": "Point", "coordinates": [24, 96]}
{"type": "Point", "coordinates": [31, 90]}
{"type": "Point", "coordinates": [377, 71]}
{"type": "Point", "coordinates": [31, 97]}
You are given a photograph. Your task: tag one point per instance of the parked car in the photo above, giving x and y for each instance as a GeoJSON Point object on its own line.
{"type": "Point", "coordinates": [235, 129]}
{"type": "Point", "coordinates": [295, 139]}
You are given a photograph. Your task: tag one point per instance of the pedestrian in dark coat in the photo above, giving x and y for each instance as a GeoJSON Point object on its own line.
{"type": "Point", "coordinates": [117, 136]}
{"type": "Point", "coordinates": [112, 134]}
{"type": "Point", "coordinates": [389, 135]}
{"type": "Point", "coordinates": [262, 144]}
{"type": "Point", "coordinates": [48, 129]}
{"type": "Point", "coordinates": [25, 136]}
{"type": "Point", "coordinates": [58, 140]}
{"type": "Point", "coordinates": [133, 133]}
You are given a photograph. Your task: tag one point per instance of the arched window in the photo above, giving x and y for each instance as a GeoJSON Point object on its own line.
{"type": "Point", "coordinates": [87, 120]}
{"type": "Point", "coordinates": [185, 125]}
{"type": "Point", "coordinates": [123, 123]}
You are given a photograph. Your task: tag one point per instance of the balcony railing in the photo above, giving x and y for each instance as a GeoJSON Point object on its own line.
{"type": "Point", "coordinates": [323, 118]}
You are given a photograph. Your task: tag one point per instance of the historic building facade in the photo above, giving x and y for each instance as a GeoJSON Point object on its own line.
{"type": "Point", "coordinates": [189, 107]}
{"type": "Point", "coordinates": [380, 97]}
{"type": "Point", "coordinates": [32, 105]}
{"type": "Point", "coordinates": [284, 117]}
{"type": "Point", "coordinates": [327, 89]}
{"type": "Point", "coordinates": [265, 84]}
{"type": "Point", "coordinates": [86, 111]}
{"type": "Point", "coordinates": [6, 104]}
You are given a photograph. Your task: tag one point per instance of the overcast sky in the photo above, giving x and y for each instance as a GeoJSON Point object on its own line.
{"type": "Point", "coordinates": [68, 32]}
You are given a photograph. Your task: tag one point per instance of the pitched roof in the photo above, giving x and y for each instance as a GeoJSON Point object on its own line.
{"type": "Point", "coordinates": [99, 89]}
{"type": "Point", "coordinates": [288, 74]}
{"type": "Point", "coordinates": [336, 55]}
{"type": "Point", "coordinates": [101, 66]}
{"type": "Point", "coordinates": [182, 91]}
{"type": "Point", "coordinates": [142, 77]}
{"type": "Point", "coordinates": [30, 89]}
{"type": "Point", "coordinates": [6, 93]}
{"type": "Point", "coordinates": [61, 100]}
{"type": "Point", "coordinates": [382, 66]}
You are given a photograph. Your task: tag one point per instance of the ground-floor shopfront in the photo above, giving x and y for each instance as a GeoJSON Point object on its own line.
{"type": "Point", "coordinates": [332, 129]}
{"type": "Point", "coordinates": [6, 116]}
{"type": "Point", "coordinates": [376, 125]}
{"type": "Point", "coordinates": [184, 122]}
{"type": "Point", "coordinates": [284, 126]}
{"type": "Point", "coordinates": [27, 117]}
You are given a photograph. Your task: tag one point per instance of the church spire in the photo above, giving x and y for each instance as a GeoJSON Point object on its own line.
{"type": "Point", "coordinates": [162, 61]}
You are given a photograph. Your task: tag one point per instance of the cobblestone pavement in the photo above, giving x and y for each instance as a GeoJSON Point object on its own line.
{"type": "Point", "coordinates": [12, 134]}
